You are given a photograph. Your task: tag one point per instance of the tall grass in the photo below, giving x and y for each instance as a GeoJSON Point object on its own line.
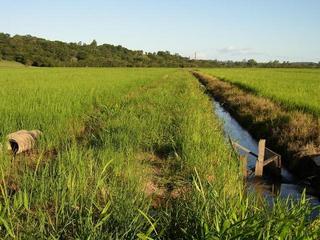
{"type": "Point", "coordinates": [126, 154]}
{"type": "Point", "coordinates": [294, 88]}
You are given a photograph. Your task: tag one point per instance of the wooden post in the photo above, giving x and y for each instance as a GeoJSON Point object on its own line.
{"type": "Point", "coordinates": [259, 163]}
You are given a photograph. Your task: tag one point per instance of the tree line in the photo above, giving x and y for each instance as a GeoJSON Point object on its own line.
{"type": "Point", "coordinates": [34, 51]}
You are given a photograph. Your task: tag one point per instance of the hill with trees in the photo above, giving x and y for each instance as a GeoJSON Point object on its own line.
{"type": "Point", "coordinates": [34, 51]}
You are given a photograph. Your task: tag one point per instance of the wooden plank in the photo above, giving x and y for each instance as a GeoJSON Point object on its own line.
{"type": "Point", "coordinates": [244, 149]}
{"type": "Point", "coordinates": [262, 150]}
{"type": "Point", "coordinates": [272, 152]}
{"type": "Point", "coordinates": [259, 163]}
{"type": "Point", "coordinates": [262, 154]}
{"type": "Point", "coordinates": [272, 159]}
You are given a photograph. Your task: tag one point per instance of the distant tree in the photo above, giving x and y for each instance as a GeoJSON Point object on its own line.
{"type": "Point", "coordinates": [276, 63]}
{"type": "Point", "coordinates": [28, 62]}
{"type": "Point", "coordinates": [82, 55]}
{"type": "Point", "coordinates": [40, 52]}
{"type": "Point", "coordinates": [252, 63]}
{"type": "Point", "coordinates": [94, 43]}
{"type": "Point", "coordinates": [73, 59]}
{"type": "Point", "coordinates": [163, 53]}
{"type": "Point", "coordinates": [20, 58]}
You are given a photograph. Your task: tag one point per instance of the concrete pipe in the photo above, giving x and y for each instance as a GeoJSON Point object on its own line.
{"type": "Point", "coordinates": [22, 140]}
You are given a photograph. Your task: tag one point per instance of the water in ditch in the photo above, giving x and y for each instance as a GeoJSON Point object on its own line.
{"type": "Point", "coordinates": [286, 186]}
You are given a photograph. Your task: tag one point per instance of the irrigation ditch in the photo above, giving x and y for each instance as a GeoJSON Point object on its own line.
{"type": "Point", "coordinates": [295, 135]}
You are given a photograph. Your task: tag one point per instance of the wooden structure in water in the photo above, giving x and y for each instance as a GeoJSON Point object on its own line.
{"type": "Point", "coordinates": [264, 157]}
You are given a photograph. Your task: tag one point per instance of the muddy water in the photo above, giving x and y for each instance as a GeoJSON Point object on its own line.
{"type": "Point", "coordinates": [288, 186]}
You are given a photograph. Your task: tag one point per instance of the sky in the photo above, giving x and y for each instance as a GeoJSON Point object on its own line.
{"type": "Point", "coordinates": [286, 30]}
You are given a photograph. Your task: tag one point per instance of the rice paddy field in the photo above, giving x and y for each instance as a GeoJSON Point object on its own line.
{"type": "Point", "coordinates": [129, 154]}
{"type": "Point", "coordinates": [293, 88]}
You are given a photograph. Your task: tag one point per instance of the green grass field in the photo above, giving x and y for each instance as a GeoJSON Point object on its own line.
{"type": "Point", "coordinates": [126, 154]}
{"type": "Point", "coordinates": [10, 64]}
{"type": "Point", "coordinates": [294, 88]}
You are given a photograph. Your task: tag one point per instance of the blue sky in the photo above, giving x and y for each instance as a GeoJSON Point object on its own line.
{"type": "Point", "coordinates": [229, 29]}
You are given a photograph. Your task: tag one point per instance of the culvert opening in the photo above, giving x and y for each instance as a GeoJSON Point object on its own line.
{"type": "Point", "coordinates": [22, 141]}
{"type": "Point", "coordinates": [14, 146]}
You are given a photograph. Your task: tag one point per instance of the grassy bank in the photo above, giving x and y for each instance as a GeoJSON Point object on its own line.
{"type": "Point", "coordinates": [294, 89]}
{"type": "Point", "coordinates": [127, 154]}
{"type": "Point", "coordinates": [10, 64]}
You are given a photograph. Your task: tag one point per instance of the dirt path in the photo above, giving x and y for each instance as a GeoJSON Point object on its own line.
{"type": "Point", "coordinates": [163, 184]}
